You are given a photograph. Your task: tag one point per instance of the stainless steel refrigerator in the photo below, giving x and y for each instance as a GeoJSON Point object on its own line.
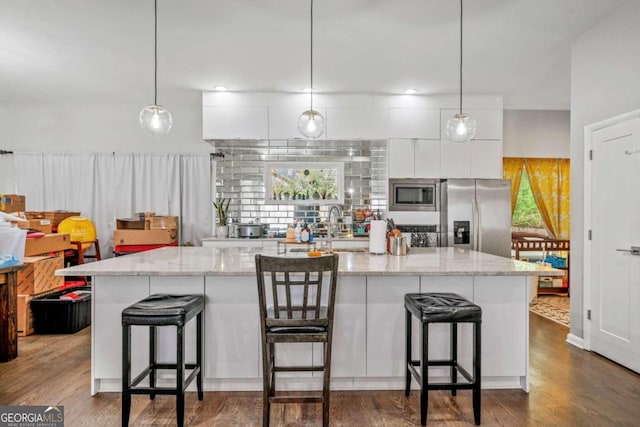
{"type": "Point", "coordinates": [477, 215]}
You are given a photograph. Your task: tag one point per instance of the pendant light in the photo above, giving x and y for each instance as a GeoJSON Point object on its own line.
{"type": "Point", "coordinates": [311, 122]}
{"type": "Point", "coordinates": [155, 118]}
{"type": "Point", "coordinates": [461, 127]}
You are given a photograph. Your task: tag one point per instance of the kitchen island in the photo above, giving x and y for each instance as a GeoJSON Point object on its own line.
{"type": "Point", "coordinates": [368, 346]}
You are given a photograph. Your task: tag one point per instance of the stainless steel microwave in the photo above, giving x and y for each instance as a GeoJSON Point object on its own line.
{"type": "Point", "coordinates": [414, 194]}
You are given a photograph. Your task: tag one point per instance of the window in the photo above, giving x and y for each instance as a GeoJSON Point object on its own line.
{"type": "Point", "coordinates": [526, 214]}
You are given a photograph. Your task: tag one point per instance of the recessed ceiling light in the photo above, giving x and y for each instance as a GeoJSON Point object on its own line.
{"type": "Point", "coordinates": [410, 91]}
{"type": "Point", "coordinates": [220, 88]}
{"type": "Point", "coordinates": [307, 90]}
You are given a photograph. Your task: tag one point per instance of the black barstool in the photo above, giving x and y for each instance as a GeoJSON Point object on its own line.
{"type": "Point", "coordinates": [443, 308]}
{"type": "Point", "coordinates": [153, 311]}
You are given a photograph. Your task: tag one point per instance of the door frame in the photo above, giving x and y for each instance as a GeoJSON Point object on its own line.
{"type": "Point", "coordinates": [588, 248]}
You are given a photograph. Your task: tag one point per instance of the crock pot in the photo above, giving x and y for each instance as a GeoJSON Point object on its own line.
{"type": "Point", "coordinates": [250, 230]}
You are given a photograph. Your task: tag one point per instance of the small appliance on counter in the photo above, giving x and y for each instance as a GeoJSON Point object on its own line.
{"type": "Point", "coordinates": [421, 236]}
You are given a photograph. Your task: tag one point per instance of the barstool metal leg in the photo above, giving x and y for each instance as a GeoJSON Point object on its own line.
{"type": "Point", "coordinates": [152, 360]}
{"type": "Point", "coordinates": [424, 375]}
{"type": "Point", "coordinates": [199, 355]}
{"type": "Point", "coordinates": [407, 352]}
{"type": "Point", "coordinates": [126, 374]}
{"type": "Point", "coordinates": [454, 356]}
{"type": "Point", "coordinates": [477, 351]}
{"type": "Point", "coordinates": [326, 406]}
{"type": "Point", "coordinates": [180, 376]}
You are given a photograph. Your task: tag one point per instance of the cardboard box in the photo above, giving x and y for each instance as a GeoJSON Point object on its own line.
{"type": "Point", "coordinates": [39, 275]}
{"type": "Point", "coordinates": [56, 217]}
{"type": "Point", "coordinates": [144, 215]}
{"type": "Point", "coordinates": [25, 316]}
{"type": "Point", "coordinates": [12, 203]}
{"type": "Point", "coordinates": [34, 215]}
{"type": "Point", "coordinates": [48, 243]}
{"type": "Point", "coordinates": [144, 237]}
{"type": "Point", "coordinates": [43, 225]}
{"type": "Point", "coordinates": [163, 223]}
{"type": "Point", "coordinates": [132, 224]}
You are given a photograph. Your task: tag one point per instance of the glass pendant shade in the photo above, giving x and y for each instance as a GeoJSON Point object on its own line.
{"type": "Point", "coordinates": [155, 119]}
{"type": "Point", "coordinates": [311, 124]}
{"type": "Point", "coordinates": [461, 128]}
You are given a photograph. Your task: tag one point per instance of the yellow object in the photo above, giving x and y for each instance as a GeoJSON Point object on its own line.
{"type": "Point", "coordinates": [512, 168]}
{"type": "Point", "coordinates": [315, 253]}
{"type": "Point", "coordinates": [551, 187]}
{"type": "Point", "coordinates": [80, 229]}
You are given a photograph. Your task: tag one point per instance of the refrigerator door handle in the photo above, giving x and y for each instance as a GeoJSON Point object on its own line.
{"type": "Point", "coordinates": [478, 223]}
{"type": "Point", "coordinates": [474, 209]}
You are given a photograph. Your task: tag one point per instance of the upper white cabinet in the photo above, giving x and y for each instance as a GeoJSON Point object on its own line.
{"type": "Point", "coordinates": [455, 159]}
{"type": "Point", "coordinates": [422, 123]}
{"type": "Point", "coordinates": [283, 122]}
{"type": "Point", "coordinates": [489, 123]}
{"type": "Point", "coordinates": [357, 123]}
{"type": "Point", "coordinates": [235, 122]}
{"type": "Point", "coordinates": [417, 158]}
{"type": "Point", "coordinates": [474, 159]}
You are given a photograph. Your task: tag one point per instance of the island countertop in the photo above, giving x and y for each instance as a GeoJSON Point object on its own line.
{"type": "Point", "coordinates": [209, 261]}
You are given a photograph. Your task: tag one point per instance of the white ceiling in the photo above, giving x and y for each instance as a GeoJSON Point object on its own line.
{"type": "Point", "coordinates": [85, 50]}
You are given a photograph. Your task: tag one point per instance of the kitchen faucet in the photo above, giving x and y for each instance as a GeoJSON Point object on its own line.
{"type": "Point", "coordinates": [330, 224]}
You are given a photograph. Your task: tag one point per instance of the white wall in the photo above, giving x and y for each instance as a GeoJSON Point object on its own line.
{"type": "Point", "coordinates": [605, 82]}
{"type": "Point", "coordinates": [94, 127]}
{"type": "Point", "coordinates": [536, 133]}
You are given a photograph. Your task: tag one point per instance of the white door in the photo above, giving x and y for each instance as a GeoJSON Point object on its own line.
{"type": "Point", "coordinates": [615, 207]}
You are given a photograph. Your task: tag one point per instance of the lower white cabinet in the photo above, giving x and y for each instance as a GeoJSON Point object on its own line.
{"type": "Point", "coordinates": [385, 324]}
{"type": "Point", "coordinates": [232, 328]}
{"type": "Point", "coordinates": [349, 352]}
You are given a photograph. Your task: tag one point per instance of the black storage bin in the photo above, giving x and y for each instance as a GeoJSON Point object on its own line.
{"type": "Point", "coordinates": [52, 315]}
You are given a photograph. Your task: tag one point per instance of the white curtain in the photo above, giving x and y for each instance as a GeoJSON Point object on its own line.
{"type": "Point", "coordinates": [107, 186]}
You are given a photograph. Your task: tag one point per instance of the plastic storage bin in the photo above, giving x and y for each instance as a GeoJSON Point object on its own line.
{"type": "Point", "coordinates": [12, 242]}
{"type": "Point", "coordinates": [51, 315]}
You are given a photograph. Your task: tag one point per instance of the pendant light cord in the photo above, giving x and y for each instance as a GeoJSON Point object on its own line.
{"type": "Point", "coordinates": [311, 57]}
{"type": "Point", "coordinates": [155, 54]}
{"type": "Point", "coordinates": [460, 56]}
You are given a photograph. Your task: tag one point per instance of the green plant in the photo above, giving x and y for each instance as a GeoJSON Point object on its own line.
{"type": "Point", "coordinates": [222, 207]}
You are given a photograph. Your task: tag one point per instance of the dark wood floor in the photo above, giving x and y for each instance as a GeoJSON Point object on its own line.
{"type": "Point", "coordinates": [569, 387]}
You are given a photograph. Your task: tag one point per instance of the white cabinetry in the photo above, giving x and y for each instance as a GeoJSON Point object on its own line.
{"type": "Point", "coordinates": [417, 158]}
{"type": "Point", "coordinates": [349, 351]}
{"type": "Point", "coordinates": [283, 122]}
{"type": "Point", "coordinates": [235, 122]}
{"type": "Point", "coordinates": [232, 329]}
{"type": "Point", "coordinates": [479, 158]}
{"type": "Point", "coordinates": [357, 123]}
{"type": "Point", "coordinates": [422, 123]}
{"type": "Point", "coordinates": [385, 324]}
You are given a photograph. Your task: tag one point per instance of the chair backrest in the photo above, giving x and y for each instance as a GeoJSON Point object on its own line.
{"type": "Point", "coordinates": [297, 291]}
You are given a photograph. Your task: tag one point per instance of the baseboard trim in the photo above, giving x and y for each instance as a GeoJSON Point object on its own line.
{"type": "Point", "coordinates": [575, 341]}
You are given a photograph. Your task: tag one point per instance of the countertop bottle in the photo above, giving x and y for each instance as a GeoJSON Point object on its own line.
{"type": "Point", "coordinates": [297, 231]}
{"type": "Point", "coordinates": [305, 234]}
{"type": "Point", "coordinates": [291, 234]}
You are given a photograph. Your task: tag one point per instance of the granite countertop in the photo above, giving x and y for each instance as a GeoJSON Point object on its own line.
{"type": "Point", "coordinates": [208, 261]}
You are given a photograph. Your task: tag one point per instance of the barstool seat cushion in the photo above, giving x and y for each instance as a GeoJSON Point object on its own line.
{"type": "Point", "coordinates": [163, 309]}
{"type": "Point", "coordinates": [442, 307]}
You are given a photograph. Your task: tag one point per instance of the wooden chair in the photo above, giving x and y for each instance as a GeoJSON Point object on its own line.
{"type": "Point", "coordinates": [297, 299]}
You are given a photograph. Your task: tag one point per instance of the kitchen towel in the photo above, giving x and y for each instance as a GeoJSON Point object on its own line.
{"type": "Point", "coordinates": [378, 237]}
